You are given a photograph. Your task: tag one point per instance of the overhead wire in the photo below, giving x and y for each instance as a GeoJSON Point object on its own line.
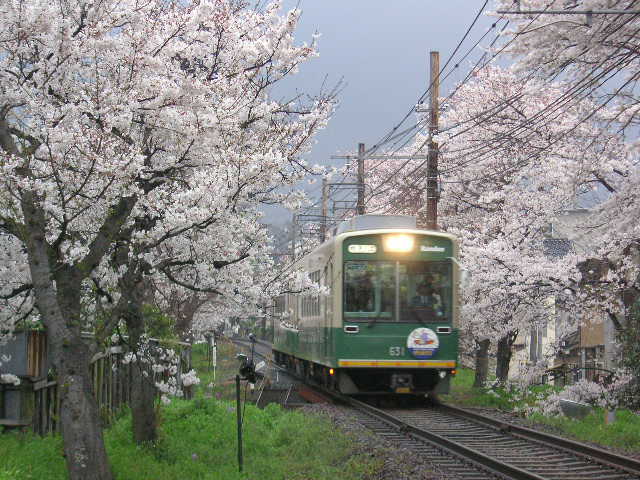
{"type": "Point", "coordinates": [381, 142]}
{"type": "Point", "coordinates": [467, 77]}
{"type": "Point", "coordinates": [575, 93]}
{"type": "Point", "coordinates": [582, 120]}
{"type": "Point", "coordinates": [577, 88]}
{"type": "Point", "coordinates": [522, 126]}
{"type": "Point", "coordinates": [408, 134]}
{"type": "Point", "coordinates": [422, 122]}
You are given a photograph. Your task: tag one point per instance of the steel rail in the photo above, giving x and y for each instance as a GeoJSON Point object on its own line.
{"type": "Point", "coordinates": [494, 466]}
{"type": "Point", "coordinates": [479, 459]}
{"type": "Point", "coordinates": [602, 456]}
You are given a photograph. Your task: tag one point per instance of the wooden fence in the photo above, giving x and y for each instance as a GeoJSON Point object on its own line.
{"type": "Point", "coordinates": [111, 385]}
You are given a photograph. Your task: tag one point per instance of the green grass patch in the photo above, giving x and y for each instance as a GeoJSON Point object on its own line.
{"type": "Point", "coordinates": [464, 395]}
{"type": "Point", "coordinates": [198, 441]}
{"type": "Point", "coordinates": [624, 433]}
{"type": "Point", "coordinates": [25, 456]}
{"type": "Point", "coordinates": [219, 382]}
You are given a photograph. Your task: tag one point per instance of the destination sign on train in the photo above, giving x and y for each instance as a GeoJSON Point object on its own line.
{"type": "Point", "coordinates": [429, 248]}
{"type": "Point", "coordinates": [362, 249]}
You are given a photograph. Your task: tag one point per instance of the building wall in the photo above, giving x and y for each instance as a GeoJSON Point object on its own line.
{"type": "Point", "coordinates": [536, 345]}
{"type": "Point", "coordinates": [28, 354]}
{"type": "Point", "coordinates": [592, 331]}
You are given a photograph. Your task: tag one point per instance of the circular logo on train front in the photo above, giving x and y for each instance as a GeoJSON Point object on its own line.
{"type": "Point", "coordinates": [423, 343]}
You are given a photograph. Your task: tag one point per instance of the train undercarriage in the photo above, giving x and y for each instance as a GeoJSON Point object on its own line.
{"type": "Point", "coordinates": [369, 381]}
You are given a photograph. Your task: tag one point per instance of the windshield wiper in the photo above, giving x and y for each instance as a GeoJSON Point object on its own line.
{"type": "Point", "coordinates": [415, 314]}
{"type": "Point", "coordinates": [373, 320]}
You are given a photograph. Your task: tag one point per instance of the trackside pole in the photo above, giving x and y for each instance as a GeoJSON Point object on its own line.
{"type": "Point", "coordinates": [239, 417]}
{"type": "Point", "coordinates": [214, 359]}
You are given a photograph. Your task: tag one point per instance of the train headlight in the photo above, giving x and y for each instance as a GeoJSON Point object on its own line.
{"type": "Point", "coordinates": [398, 243]}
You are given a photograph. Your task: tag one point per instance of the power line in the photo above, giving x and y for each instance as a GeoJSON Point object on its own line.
{"type": "Point", "coordinates": [527, 124]}
{"type": "Point", "coordinates": [381, 142]}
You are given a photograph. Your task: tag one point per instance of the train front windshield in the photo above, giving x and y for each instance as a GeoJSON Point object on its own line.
{"type": "Point", "coordinates": [398, 291]}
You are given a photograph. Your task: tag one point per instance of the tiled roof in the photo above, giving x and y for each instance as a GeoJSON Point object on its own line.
{"type": "Point", "coordinates": [556, 247]}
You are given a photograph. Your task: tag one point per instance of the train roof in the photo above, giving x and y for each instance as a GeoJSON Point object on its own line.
{"type": "Point", "coordinates": [376, 222]}
{"type": "Point", "coordinates": [369, 224]}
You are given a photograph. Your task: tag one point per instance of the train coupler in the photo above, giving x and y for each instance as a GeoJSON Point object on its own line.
{"type": "Point", "coordinates": [402, 382]}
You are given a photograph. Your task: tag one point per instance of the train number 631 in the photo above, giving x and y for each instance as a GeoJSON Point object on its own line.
{"type": "Point", "coordinates": [396, 351]}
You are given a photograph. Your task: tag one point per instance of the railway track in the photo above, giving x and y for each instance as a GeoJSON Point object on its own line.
{"type": "Point", "coordinates": [500, 449]}
{"type": "Point", "coordinates": [472, 446]}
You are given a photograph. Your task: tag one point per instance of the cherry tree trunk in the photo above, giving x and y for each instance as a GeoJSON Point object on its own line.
{"type": "Point", "coordinates": [81, 425]}
{"type": "Point", "coordinates": [482, 363]}
{"type": "Point", "coordinates": [143, 390]}
{"type": "Point", "coordinates": [503, 357]}
{"type": "Point", "coordinates": [84, 450]}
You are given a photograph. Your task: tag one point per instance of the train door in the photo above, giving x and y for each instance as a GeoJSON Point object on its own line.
{"type": "Point", "coordinates": [327, 337]}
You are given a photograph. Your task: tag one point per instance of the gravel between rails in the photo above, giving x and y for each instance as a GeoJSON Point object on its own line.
{"type": "Point", "coordinates": [396, 463]}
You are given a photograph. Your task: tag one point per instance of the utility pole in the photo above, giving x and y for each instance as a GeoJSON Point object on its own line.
{"type": "Point", "coordinates": [325, 205]}
{"type": "Point", "coordinates": [360, 205]}
{"type": "Point", "coordinates": [359, 185]}
{"type": "Point", "coordinates": [360, 210]}
{"type": "Point", "coordinates": [432, 160]}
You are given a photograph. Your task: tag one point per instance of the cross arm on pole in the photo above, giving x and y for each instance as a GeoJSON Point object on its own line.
{"type": "Point", "coordinates": [569, 12]}
{"type": "Point", "coordinates": [381, 157]}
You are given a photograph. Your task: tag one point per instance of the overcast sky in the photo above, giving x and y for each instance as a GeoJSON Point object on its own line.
{"type": "Point", "coordinates": [381, 51]}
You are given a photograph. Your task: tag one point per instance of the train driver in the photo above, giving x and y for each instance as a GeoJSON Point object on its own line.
{"type": "Point", "coordinates": [427, 297]}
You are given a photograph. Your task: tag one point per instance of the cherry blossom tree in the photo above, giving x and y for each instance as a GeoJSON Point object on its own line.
{"type": "Point", "coordinates": [125, 127]}
{"type": "Point", "coordinates": [225, 261]}
{"type": "Point", "coordinates": [508, 169]}
{"type": "Point", "coordinates": [596, 56]}
{"type": "Point", "coordinates": [586, 51]}
{"type": "Point", "coordinates": [507, 176]}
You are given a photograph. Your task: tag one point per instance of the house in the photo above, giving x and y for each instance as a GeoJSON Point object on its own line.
{"type": "Point", "coordinates": [29, 360]}
{"type": "Point", "coordinates": [571, 349]}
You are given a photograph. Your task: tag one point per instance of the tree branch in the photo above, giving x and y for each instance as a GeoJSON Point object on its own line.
{"type": "Point", "coordinates": [17, 291]}
{"type": "Point", "coordinates": [170, 276]}
{"type": "Point", "coordinates": [107, 233]}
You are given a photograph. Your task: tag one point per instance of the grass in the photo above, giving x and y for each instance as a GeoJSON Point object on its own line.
{"type": "Point", "coordinates": [624, 433]}
{"type": "Point", "coordinates": [223, 385]}
{"type": "Point", "coordinates": [198, 441]}
{"type": "Point", "coordinates": [464, 395]}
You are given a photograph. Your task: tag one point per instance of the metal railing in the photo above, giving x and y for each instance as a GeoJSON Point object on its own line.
{"type": "Point", "coordinates": [569, 374]}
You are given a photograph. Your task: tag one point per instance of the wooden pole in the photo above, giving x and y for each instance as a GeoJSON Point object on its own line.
{"type": "Point", "coordinates": [325, 206]}
{"type": "Point", "coordinates": [294, 226]}
{"type": "Point", "coordinates": [432, 161]}
{"type": "Point", "coordinates": [360, 205]}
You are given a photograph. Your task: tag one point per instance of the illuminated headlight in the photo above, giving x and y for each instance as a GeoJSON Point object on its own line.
{"type": "Point", "coordinates": [398, 243]}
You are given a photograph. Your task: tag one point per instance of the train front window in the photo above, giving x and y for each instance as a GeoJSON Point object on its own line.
{"type": "Point", "coordinates": [405, 291]}
{"type": "Point", "coordinates": [369, 290]}
{"type": "Point", "coordinates": [425, 291]}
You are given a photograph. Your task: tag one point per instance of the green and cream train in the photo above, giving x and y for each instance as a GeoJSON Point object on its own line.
{"type": "Point", "coordinates": [387, 320]}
